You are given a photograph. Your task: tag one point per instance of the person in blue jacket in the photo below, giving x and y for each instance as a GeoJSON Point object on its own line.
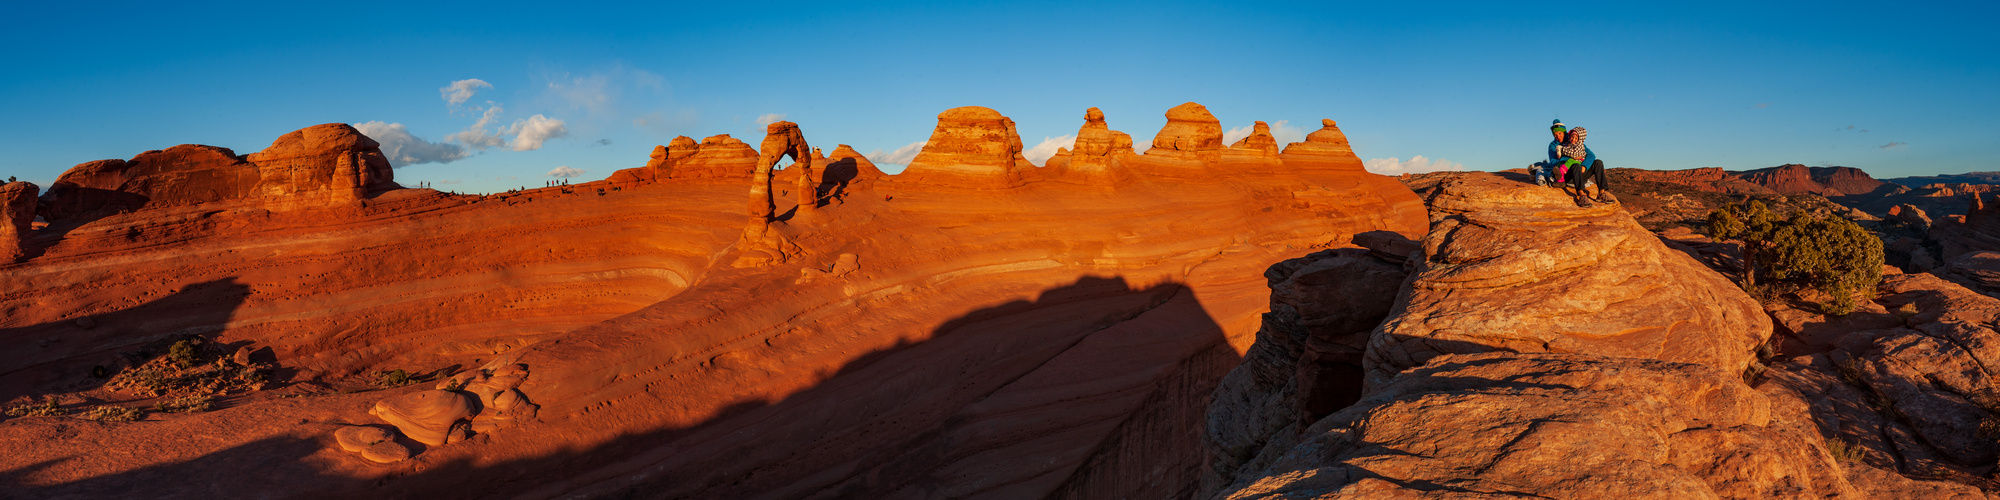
{"type": "Point", "coordinates": [1545, 171]}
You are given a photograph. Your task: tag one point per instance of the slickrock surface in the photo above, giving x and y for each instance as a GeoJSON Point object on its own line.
{"type": "Point", "coordinates": [1916, 396]}
{"type": "Point", "coordinates": [1554, 426]}
{"type": "Point", "coordinates": [1511, 266]}
{"type": "Point", "coordinates": [1887, 402]}
{"type": "Point", "coordinates": [972, 147]}
{"type": "Point", "coordinates": [1045, 340]}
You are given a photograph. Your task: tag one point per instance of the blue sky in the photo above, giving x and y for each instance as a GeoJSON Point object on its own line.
{"type": "Point", "coordinates": [1735, 85]}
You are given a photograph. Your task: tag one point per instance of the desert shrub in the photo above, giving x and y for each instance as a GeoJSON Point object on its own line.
{"type": "Point", "coordinates": [186, 404]}
{"type": "Point", "coordinates": [1842, 451]}
{"type": "Point", "coordinates": [394, 378]}
{"type": "Point", "coordinates": [188, 367]}
{"type": "Point", "coordinates": [1830, 254]}
{"type": "Point", "coordinates": [184, 353]}
{"type": "Point", "coordinates": [114, 414]}
{"type": "Point", "coordinates": [46, 408]}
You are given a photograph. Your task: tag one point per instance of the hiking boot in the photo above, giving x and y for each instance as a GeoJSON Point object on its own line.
{"type": "Point", "coordinates": [1605, 196]}
{"type": "Point", "coordinates": [1584, 201]}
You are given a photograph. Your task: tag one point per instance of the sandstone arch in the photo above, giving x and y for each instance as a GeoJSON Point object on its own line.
{"type": "Point", "coordinates": [782, 139]}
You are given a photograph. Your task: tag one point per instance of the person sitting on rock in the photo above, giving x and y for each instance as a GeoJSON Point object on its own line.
{"type": "Point", "coordinates": [1580, 164]}
{"type": "Point", "coordinates": [1544, 171]}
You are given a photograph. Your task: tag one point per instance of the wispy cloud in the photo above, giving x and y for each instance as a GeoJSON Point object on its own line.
{"type": "Point", "coordinates": [901, 156]}
{"type": "Point", "coordinates": [1041, 153]}
{"type": "Point", "coordinates": [404, 149]}
{"type": "Point", "coordinates": [565, 171]}
{"type": "Point", "coordinates": [1415, 165]}
{"type": "Point", "coordinates": [1895, 145]}
{"type": "Point", "coordinates": [461, 91]}
{"type": "Point", "coordinates": [1762, 105]}
{"type": "Point", "coordinates": [1282, 130]}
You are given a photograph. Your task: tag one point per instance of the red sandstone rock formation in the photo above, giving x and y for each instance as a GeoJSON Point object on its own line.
{"type": "Point", "coordinates": [1550, 277]}
{"type": "Point", "coordinates": [718, 157]}
{"type": "Point", "coordinates": [17, 218]}
{"type": "Point", "coordinates": [1099, 154]}
{"type": "Point", "coordinates": [1882, 392]}
{"type": "Point", "coordinates": [945, 358]}
{"type": "Point", "coordinates": [314, 167]}
{"type": "Point", "coordinates": [1555, 426]}
{"type": "Point", "coordinates": [782, 139]}
{"type": "Point", "coordinates": [1191, 132]}
{"type": "Point", "coordinates": [972, 147]}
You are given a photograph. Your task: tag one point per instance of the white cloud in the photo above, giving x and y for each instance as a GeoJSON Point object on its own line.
{"type": "Point", "coordinates": [460, 91]}
{"type": "Point", "coordinates": [1416, 165]}
{"type": "Point", "coordinates": [476, 137]}
{"type": "Point", "coordinates": [901, 156]}
{"type": "Point", "coordinates": [1282, 130]}
{"type": "Point", "coordinates": [529, 133]}
{"type": "Point", "coordinates": [404, 149]}
{"type": "Point", "coordinates": [1895, 145]}
{"type": "Point", "coordinates": [566, 172]}
{"type": "Point", "coordinates": [1041, 153]}
{"type": "Point", "coordinates": [769, 119]}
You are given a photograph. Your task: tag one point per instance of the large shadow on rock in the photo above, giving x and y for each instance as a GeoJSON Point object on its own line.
{"type": "Point", "coordinates": [1096, 389]}
{"type": "Point", "coordinates": [59, 356]}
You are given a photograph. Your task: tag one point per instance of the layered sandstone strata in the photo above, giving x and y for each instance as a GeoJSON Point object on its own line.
{"type": "Point", "coordinates": [973, 147]}
{"type": "Point", "coordinates": [923, 340]}
{"type": "Point", "coordinates": [717, 157]}
{"type": "Point", "coordinates": [1099, 155]}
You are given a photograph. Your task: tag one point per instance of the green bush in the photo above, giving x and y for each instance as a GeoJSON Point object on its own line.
{"type": "Point", "coordinates": [393, 378]}
{"type": "Point", "coordinates": [114, 414]}
{"type": "Point", "coordinates": [46, 408]}
{"type": "Point", "coordinates": [187, 404]}
{"type": "Point", "coordinates": [1830, 254]}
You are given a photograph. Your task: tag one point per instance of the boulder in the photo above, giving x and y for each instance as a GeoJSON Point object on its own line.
{"type": "Point", "coordinates": [432, 417]}
{"type": "Point", "coordinates": [1977, 270]}
{"type": "Point", "coordinates": [1510, 266]}
{"type": "Point", "coordinates": [355, 438]}
{"type": "Point", "coordinates": [17, 219]}
{"type": "Point", "coordinates": [972, 147]}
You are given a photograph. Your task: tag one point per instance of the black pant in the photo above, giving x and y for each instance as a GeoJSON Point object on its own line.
{"type": "Point", "coordinates": [1581, 174]}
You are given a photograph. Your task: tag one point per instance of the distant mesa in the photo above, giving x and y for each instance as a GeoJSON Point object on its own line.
{"type": "Point", "coordinates": [972, 147]}
{"type": "Point", "coordinates": [317, 166]}
{"type": "Point", "coordinates": [1792, 179]}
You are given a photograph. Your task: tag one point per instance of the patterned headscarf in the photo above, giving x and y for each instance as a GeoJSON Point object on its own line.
{"type": "Point", "coordinates": [1573, 148]}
